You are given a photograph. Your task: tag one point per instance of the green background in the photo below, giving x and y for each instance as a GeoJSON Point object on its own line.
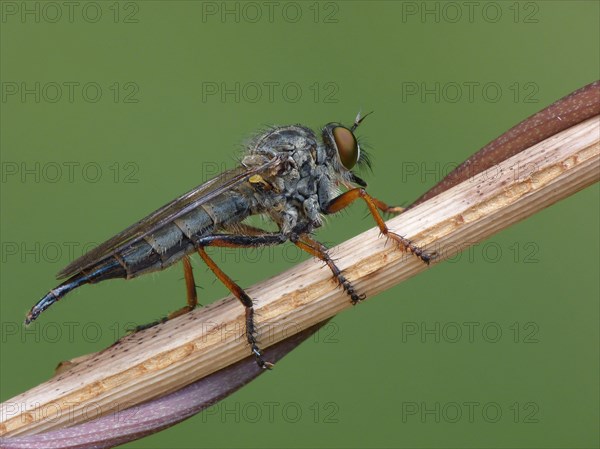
{"type": "Point", "coordinates": [352, 382]}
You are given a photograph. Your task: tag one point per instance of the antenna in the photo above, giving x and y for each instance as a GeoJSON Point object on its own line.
{"type": "Point", "coordinates": [358, 120]}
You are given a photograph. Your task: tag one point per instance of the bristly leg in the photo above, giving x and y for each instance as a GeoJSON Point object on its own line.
{"type": "Point", "coordinates": [387, 209]}
{"type": "Point", "coordinates": [395, 210]}
{"type": "Point", "coordinates": [240, 241]}
{"type": "Point", "coordinates": [318, 250]}
{"type": "Point", "coordinates": [192, 297]}
{"type": "Point", "coordinates": [240, 294]}
{"type": "Point", "coordinates": [347, 198]}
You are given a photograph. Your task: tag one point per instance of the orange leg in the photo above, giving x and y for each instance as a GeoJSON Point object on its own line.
{"type": "Point", "coordinates": [190, 286]}
{"type": "Point", "coordinates": [192, 297]}
{"type": "Point", "coordinates": [347, 198]}
{"type": "Point", "coordinates": [318, 250]}
{"type": "Point", "coordinates": [240, 294]}
{"type": "Point", "coordinates": [254, 240]}
{"type": "Point", "coordinates": [383, 207]}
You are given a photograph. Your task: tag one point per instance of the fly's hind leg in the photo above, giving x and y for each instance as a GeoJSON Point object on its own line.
{"type": "Point", "coordinates": [190, 288]}
{"type": "Point", "coordinates": [192, 296]}
{"type": "Point", "coordinates": [240, 241]}
{"type": "Point", "coordinates": [347, 198]}
{"type": "Point", "coordinates": [318, 250]}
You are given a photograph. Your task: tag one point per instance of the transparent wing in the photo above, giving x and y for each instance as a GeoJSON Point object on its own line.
{"type": "Point", "coordinates": [179, 206]}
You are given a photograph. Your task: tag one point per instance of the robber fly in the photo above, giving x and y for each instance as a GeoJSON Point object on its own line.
{"type": "Point", "coordinates": [286, 175]}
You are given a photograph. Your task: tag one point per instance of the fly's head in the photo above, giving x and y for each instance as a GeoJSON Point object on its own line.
{"type": "Point", "coordinates": [344, 151]}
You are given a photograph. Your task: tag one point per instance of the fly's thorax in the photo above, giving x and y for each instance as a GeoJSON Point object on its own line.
{"type": "Point", "coordinates": [291, 198]}
{"type": "Point", "coordinates": [290, 195]}
{"type": "Point", "coordinates": [282, 139]}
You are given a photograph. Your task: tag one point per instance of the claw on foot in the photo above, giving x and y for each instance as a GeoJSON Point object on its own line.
{"type": "Point", "coordinates": [409, 246]}
{"type": "Point", "coordinates": [394, 210]}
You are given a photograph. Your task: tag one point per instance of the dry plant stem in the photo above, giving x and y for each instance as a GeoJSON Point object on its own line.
{"type": "Point", "coordinates": [167, 357]}
{"type": "Point", "coordinates": [156, 415]}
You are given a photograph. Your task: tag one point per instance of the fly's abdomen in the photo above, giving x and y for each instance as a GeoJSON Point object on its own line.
{"type": "Point", "coordinates": [155, 251]}
{"type": "Point", "coordinates": [170, 243]}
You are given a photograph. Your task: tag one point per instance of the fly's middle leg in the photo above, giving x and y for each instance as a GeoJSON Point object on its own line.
{"type": "Point", "coordinates": [240, 241]}
{"type": "Point", "coordinates": [318, 250]}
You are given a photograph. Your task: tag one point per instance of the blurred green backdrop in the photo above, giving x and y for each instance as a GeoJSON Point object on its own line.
{"type": "Point", "coordinates": [110, 109]}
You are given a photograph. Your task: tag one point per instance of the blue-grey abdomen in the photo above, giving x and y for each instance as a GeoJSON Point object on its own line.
{"type": "Point", "coordinates": [175, 239]}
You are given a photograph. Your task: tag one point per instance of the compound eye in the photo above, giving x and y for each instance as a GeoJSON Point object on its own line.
{"type": "Point", "coordinates": [347, 146]}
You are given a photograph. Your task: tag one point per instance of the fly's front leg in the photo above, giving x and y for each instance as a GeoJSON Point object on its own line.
{"type": "Point", "coordinates": [386, 209]}
{"type": "Point", "coordinates": [319, 251]}
{"type": "Point", "coordinates": [347, 198]}
{"type": "Point", "coordinates": [383, 207]}
{"type": "Point", "coordinates": [192, 296]}
{"type": "Point", "coordinates": [240, 241]}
